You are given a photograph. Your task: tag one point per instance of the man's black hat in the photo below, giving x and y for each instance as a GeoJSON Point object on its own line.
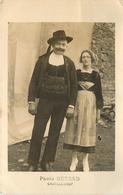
{"type": "Point", "coordinates": [59, 35]}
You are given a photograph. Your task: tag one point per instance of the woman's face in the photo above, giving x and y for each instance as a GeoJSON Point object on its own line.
{"type": "Point", "coordinates": [86, 59]}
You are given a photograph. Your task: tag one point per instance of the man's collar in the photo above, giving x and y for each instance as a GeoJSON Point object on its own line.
{"type": "Point", "coordinates": [55, 59]}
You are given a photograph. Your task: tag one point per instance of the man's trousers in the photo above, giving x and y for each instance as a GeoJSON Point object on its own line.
{"type": "Point", "coordinates": [56, 109]}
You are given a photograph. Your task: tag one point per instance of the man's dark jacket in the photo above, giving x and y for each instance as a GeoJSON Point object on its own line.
{"type": "Point", "coordinates": [38, 75]}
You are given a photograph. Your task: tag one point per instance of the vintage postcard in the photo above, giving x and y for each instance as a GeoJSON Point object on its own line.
{"type": "Point", "coordinates": [61, 97]}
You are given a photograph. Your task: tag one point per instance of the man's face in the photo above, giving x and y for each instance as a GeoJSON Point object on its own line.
{"type": "Point", "coordinates": [59, 47]}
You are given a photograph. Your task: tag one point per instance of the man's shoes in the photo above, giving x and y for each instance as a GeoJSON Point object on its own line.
{"type": "Point", "coordinates": [32, 168]}
{"type": "Point", "coordinates": [51, 166]}
{"type": "Point", "coordinates": [47, 167]}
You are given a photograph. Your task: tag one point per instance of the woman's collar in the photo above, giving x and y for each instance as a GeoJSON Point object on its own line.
{"type": "Point", "coordinates": [88, 71]}
{"type": "Point", "coordinates": [80, 66]}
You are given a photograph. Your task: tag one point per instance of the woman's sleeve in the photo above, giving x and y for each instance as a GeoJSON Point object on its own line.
{"type": "Point", "coordinates": [99, 96]}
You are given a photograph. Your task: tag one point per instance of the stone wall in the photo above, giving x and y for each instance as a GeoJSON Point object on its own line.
{"type": "Point", "coordinates": [103, 44]}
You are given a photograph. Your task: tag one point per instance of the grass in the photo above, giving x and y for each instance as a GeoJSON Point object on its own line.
{"type": "Point", "coordinates": [102, 160]}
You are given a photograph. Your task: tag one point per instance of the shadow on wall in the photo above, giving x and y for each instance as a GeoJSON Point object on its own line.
{"type": "Point", "coordinates": [26, 41]}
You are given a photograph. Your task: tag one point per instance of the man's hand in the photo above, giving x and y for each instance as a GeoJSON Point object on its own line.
{"type": "Point", "coordinates": [70, 112]}
{"type": "Point", "coordinates": [32, 109]}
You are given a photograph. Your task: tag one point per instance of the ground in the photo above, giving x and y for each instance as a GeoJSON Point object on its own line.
{"type": "Point", "coordinates": [102, 160]}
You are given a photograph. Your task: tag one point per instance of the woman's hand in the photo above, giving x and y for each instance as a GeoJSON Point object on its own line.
{"type": "Point", "coordinates": [98, 116]}
{"type": "Point", "coordinates": [98, 119]}
{"type": "Point", "coordinates": [70, 112]}
{"type": "Point", "coordinates": [32, 109]}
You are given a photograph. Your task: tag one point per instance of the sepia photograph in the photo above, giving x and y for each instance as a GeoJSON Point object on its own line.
{"type": "Point", "coordinates": [61, 96]}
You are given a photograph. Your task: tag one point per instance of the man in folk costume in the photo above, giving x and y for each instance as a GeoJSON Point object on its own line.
{"type": "Point", "coordinates": [54, 82]}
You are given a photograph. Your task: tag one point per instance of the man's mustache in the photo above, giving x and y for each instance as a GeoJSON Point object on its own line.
{"type": "Point", "coordinates": [59, 49]}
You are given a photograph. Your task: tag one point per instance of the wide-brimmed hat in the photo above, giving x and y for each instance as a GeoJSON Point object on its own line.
{"type": "Point", "coordinates": [59, 35]}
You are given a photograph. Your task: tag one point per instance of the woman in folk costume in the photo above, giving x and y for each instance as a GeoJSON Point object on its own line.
{"type": "Point", "coordinates": [80, 133]}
